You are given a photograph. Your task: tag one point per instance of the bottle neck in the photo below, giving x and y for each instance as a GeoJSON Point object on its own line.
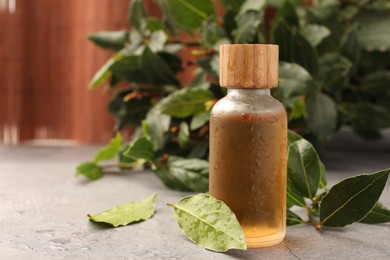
{"type": "Point", "coordinates": [248, 93]}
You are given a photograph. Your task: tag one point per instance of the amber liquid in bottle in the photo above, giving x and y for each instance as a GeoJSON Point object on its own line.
{"type": "Point", "coordinates": [248, 172]}
{"type": "Point", "coordinates": [248, 140]}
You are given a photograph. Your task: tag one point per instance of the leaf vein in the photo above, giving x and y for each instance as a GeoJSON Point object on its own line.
{"type": "Point", "coordinates": [342, 206]}
{"type": "Point", "coordinates": [207, 223]}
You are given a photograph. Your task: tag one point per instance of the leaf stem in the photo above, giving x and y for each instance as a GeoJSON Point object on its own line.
{"type": "Point", "coordinates": [311, 219]}
{"type": "Point", "coordinates": [121, 164]}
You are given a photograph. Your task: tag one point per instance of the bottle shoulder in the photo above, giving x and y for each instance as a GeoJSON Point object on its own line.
{"type": "Point", "coordinates": [252, 105]}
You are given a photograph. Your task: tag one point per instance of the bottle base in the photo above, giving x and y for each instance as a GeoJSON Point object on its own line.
{"type": "Point", "coordinates": [257, 242]}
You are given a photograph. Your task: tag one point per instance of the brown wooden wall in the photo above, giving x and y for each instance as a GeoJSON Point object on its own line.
{"type": "Point", "coordinates": [45, 66]}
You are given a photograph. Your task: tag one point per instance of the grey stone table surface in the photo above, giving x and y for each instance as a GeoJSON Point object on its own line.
{"type": "Point", "coordinates": [43, 211]}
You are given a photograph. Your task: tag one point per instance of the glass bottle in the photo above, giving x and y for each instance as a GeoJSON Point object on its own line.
{"type": "Point", "coordinates": [248, 140]}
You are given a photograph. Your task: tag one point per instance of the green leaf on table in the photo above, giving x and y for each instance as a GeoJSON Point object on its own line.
{"type": "Point", "coordinates": [304, 168]}
{"type": "Point", "coordinates": [247, 24]}
{"type": "Point", "coordinates": [199, 119]}
{"type": "Point", "coordinates": [141, 148]}
{"type": "Point", "coordinates": [185, 102]}
{"type": "Point", "coordinates": [209, 222]}
{"type": "Point", "coordinates": [293, 47]}
{"type": "Point", "coordinates": [114, 40]}
{"type": "Point", "coordinates": [137, 15]}
{"type": "Point", "coordinates": [315, 33]}
{"type": "Point", "coordinates": [129, 107]}
{"type": "Point", "coordinates": [191, 13]}
{"type": "Point", "coordinates": [293, 219]}
{"type": "Point", "coordinates": [321, 115]}
{"type": "Point", "coordinates": [185, 174]}
{"type": "Point", "coordinates": [110, 151]}
{"type": "Point", "coordinates": [374, 33]}
{"type": "Point", "coordinates": [184, 134]}
{"type": "Point", "coordinates": [127, 213]}
{"type": "Point", "coordinates": [352, 199]}
{"type": "Point", "coordinates": [90, 170]}
{"type": "Point", "coordinates": [379, 214]}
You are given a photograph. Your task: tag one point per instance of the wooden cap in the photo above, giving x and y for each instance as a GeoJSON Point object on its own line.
{"type": "Point", "coordinates": [248, 65]}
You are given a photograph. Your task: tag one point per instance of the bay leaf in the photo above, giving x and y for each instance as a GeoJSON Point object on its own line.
{"type": "Point", "coordinates": [209, 222]}
{"type": "Point", "coordinates": [294, 197]}
{"type": "Point", "coordinates": [137, 15]}
{"type": "Point", "coordinates": [315, 33]}
{"type": "Point", "coordinates": [293, 219]}
{"type": "Point", "coordinates": [185, 102]}
{"type": "Point", "coordinates": [352, 199]}
{"type": "Point", "coordinates": [128, 112]}
{"type": "Point", "coordinates": [294, 48]}
{"type": "Point", "coordinates": [379, 214]}
{"type": "Point", "coordinates": [374, 30]}
{"type": "Point", "coordinates": [199, 120]}
{"type": "Point", "coordinates": [103, 73]}
{"type": "Point", "coordinates": [114, 40]}
{"type": "Point", "coordinates": [292, 136]}
{"type": "Point", "coordinates": [184, 134]}
{"type": "Point", "coordinates": [232, 5]}
{"type": "Point", "coordinates": [127, 213]}
{"type": "Point", "coordinates": [111, 150]}
{"type": "Point", "coordinates": [158, 125]}
{"type": "Point", "coordinates": [200, 150]}
{"type": "Point", "coordinates": [90, 170]}
{"type": "Point", "coordinates": [257, 5]}
{"type": "Point", "coordinates": [303, 168]}
{"type": "Point", "coordinates": [294, 82]}
{"type": "Point", "coordinates": [334, 72]}
{"type": "Point", "coordinates": [185, 174]}
{"type": "Point", "coordinates": [170, 180]}
{"type": "Point", "coordinates": [190, 13]}
{"type": "Point", "coordinates": [140, 148]}
{"type": "Point", "coordinates": [247, 24]}
{"type": "Point", "coordinates": [323, 178]}
{"type": "Point", "coordinates": [321, 115]}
